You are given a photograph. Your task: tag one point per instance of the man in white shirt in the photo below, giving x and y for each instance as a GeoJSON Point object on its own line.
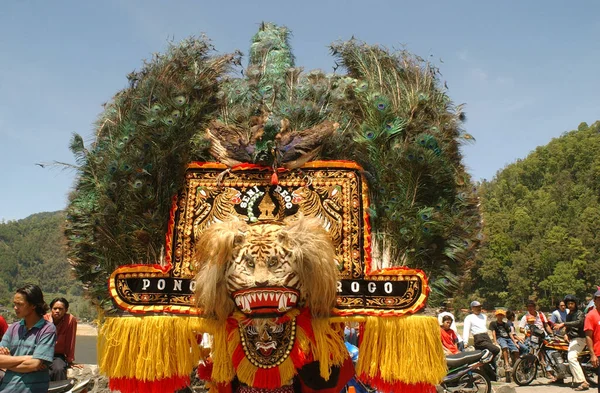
{"type": "Point", "coordinates": [476, 324]}
{"type": "Point", "coordinates": [540, 319]}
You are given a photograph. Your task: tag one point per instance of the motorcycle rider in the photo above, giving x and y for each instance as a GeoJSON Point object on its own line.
{"type": "Point", "coordinates": [576, 338]}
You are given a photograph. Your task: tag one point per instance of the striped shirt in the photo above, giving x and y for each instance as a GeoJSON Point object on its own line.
{"type": "Point", "coordinates": [37, 342]}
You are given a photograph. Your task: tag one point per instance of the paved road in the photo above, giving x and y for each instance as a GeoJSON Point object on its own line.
{"type": "Point", "coordinates": [541, 385]}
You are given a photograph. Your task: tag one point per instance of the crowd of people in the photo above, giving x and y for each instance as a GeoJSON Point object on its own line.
{"type": "Point", "coordinates": [40, 346]}
{"type": "Point", "coordinates": [580, 328]}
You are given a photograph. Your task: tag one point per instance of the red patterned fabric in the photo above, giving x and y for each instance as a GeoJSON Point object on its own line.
{"type": "Point", "coordinates": [283, 389]}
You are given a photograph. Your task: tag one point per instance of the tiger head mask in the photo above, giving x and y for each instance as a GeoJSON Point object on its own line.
{"type": "Point", "coordinates": [265, 268]}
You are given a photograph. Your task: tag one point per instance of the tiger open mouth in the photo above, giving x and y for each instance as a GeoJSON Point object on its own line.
{"type": "Point", "coordinates": [266, 300]}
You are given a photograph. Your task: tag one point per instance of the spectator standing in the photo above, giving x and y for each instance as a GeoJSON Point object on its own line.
{"type": "Point", "coordinates": [28, 345]}
{"type": "Point", "coordinates": [66, 333]}
{"type": "Point", "coordinates": [476, 324]}
{"type": "Point", "coordinates": [592, 332]}
{"type": "Point", "coordinates": [575, 333]}
{"type": "Point", "coordinates": [558, 317]}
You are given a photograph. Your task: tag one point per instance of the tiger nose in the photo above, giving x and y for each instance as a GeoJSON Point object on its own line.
{"type": "Point", "coordinates": [261, 283]}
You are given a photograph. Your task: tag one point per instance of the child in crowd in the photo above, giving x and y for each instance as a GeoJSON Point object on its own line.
{"type": "Point", "coordinates": [519, 342]}
{"type": "Point", "coordinates": [449, 338]}
{"type": "Point", "coordinates": [500, 333]}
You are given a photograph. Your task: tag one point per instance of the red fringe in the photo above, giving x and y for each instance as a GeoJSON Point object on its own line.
{"type": "Point", "coordinates": [238, 355]}
{"type": "Point", "coordinates": [204, 370]}
{"type": "Point", "coordinates": [267, 378]}
{"type": "Point", "coordinates": [131, 385]}
{"type": "Point", "coordinates": [397, 386]}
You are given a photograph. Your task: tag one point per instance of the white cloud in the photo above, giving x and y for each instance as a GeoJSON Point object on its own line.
{"type": "Point", "coordinates": [478, 74]}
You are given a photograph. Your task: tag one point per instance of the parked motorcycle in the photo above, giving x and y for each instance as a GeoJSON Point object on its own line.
{"type": "Point", "coordinates": [554, 351]}
{"type": "Point", "coordinates": [468, 372]}
{"type": "Point", "coordinates": [70, 386]}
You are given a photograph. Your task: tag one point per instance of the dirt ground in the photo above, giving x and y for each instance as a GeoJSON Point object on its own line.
{"type": "Point", "coordinates": [84, 329]}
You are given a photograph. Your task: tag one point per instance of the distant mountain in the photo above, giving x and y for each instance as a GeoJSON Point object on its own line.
{"type": "Point", "coordinates": [32, 250]}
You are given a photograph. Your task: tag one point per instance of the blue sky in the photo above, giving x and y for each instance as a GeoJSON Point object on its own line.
{"type": "Point", "coordinates": [527, 70]}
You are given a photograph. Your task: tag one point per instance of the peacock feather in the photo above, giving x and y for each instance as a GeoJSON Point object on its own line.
{"type": "Point", "coordinates": [387, 112]}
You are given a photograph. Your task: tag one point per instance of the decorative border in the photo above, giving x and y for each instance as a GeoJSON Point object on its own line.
{"type": "Point", "coordinates": [411, 283]}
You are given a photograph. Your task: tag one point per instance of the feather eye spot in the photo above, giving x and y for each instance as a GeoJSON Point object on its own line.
{"type": "Point", "coordinates": [138, 184]}
{"type": "Point", "coordinates": [156, 109]}
{"type": "Point", "coordinates": [370, 135]}
{"type": "Point", "coordinates": [381, 106]}
{"type": "Point", "coordinates": [180, 100]}
{"type": "Point", "coordinates": [176, 114]}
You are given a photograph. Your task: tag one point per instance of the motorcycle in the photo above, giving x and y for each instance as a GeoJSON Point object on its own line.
{"type": "Point", "coordinates": [70, 386]}
{"type": "Point", "coordinates": [468, 372]}
{"type": "Point", "coordinates": [553, 350]}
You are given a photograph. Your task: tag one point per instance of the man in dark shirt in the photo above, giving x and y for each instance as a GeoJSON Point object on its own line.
{"type": "Point", "coordinates": [574, 324]}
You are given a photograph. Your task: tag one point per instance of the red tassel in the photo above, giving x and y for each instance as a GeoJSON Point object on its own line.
{"type": "Point", "coordinates": [204, 370]}
{"type": "Point", "coordinates": [267, 378]}
{"type": "Point", "coordinates": [274, 179]}
{"type": "Point", "coordinates": [132, 385]}
{"type": "Point", "coordinates": [238, 355]}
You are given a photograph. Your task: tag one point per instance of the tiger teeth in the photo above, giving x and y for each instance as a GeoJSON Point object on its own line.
{"type": "Point", "coordinates": [282, 302]}
{"type": "Point", "coordinates": [294, 298]}
{"type": "Point", "coordinates": [260, 295]}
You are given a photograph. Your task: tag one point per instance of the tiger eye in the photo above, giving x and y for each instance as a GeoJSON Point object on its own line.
{"type": "Point", "coordinates": [272, 261]}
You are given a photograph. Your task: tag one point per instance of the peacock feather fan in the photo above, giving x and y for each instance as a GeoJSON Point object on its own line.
{"type": "Point", "coordinates": [119, 208]}
{"type": "Point", "coordinates": [387, 112]}
{"type": "Point", "coordinates": [402, 127]}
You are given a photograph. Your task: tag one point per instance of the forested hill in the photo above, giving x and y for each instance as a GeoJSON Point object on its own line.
{"type": "Point", "coordinates": [32, 251]}
{"type": "Point", "coordinates": [542, 225]}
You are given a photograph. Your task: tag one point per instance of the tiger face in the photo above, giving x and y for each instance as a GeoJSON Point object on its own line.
{"type": "Point", "coordinates": [261, 276]}
{"type": "Point", "coordinates": [265, 269]}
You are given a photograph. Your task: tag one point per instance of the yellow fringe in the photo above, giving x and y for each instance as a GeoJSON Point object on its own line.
{"type": "Point", "coordinates": [406, 349]}
{"type": "Point", "coordinates": [329, 347]}
{"type": "Point", "coordinates": [223, 370]}
{"type": "Point", "coordinates": [149, 348]}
